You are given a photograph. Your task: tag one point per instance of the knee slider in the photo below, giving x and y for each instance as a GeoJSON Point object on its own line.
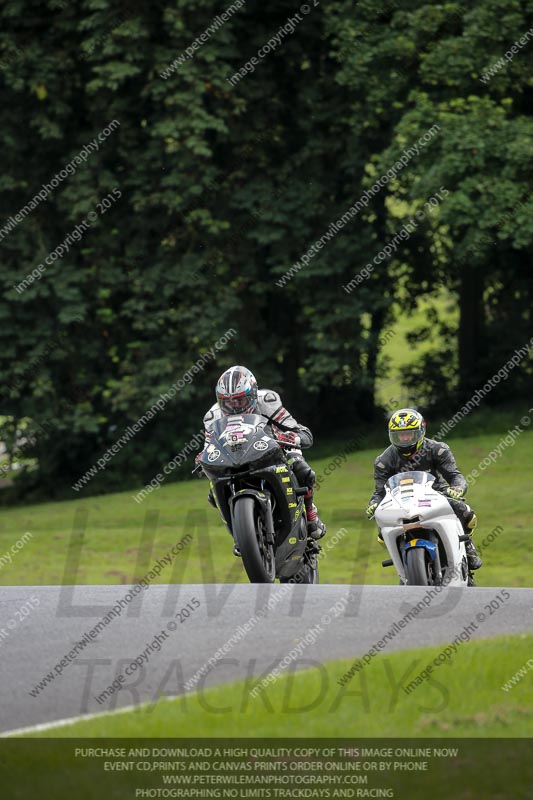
{"type": "Point", "coordinates": [310, 477]}
{"type": "Point", "coordinates": [304, 474]}
{"type": "Point", "coordinates": [472, 522]}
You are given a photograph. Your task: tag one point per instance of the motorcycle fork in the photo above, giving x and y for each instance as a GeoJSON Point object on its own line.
{"type": "Point", "coordinates": [437, 567]}
{"type": "Point", "coordinates": [264, 500]}
{"type": "Point", "coordinates": [269, 517]}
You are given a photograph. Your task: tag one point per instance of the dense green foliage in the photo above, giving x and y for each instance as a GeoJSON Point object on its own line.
{"type": "Point", "coordinates": [224, 187]}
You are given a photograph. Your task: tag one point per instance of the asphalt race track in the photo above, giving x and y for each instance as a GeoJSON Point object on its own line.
{"type": "Point", "coordinates": [193, 621]}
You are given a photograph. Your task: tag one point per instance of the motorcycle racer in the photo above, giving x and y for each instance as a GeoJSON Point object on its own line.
{"type": "Point", "coordinates": [237, 393]}
{"type": "Point", "coordinates": [411, 450]}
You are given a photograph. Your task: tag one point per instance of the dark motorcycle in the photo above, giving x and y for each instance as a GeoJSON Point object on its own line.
{"type": "Point", "coordinates": [260, 501]}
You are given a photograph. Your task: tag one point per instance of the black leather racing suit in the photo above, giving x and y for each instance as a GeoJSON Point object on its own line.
{"type": "Point", "coordinates": [434, 457]}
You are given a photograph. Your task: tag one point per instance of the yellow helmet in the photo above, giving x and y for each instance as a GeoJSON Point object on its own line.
{"type": "Point", "coordinates": [407, 430]}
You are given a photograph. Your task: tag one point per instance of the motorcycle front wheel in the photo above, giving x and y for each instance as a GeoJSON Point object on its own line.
{"type": "Point", "coordinates": [249, 532]}
{"type": "Point", "coordinates": [418, 568]}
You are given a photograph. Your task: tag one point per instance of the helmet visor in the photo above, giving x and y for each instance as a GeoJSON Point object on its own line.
{"type": "Point", "coordinates": [405, 438]}
{"type": "Point", "coordinates": [237, 404]}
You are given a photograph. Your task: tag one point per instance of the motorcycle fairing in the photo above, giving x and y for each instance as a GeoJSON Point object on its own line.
{"type": "Point", "coordinates": [431, 547]}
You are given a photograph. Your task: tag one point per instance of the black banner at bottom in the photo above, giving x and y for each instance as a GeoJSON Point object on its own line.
{"type": "Point", "coordinates": [109, 769]}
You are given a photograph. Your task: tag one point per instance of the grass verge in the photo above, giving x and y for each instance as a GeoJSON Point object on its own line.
{"type": "Point", "coordinates": [113, 540]}
{"type": "Point", "coordinates": [461, 698]}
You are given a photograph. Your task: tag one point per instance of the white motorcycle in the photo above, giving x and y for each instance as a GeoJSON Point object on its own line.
{"type": "Point", "coordinates": [424, 538]}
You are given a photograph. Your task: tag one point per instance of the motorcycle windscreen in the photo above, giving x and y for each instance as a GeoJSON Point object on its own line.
{"type": "Point", "coordinates": [241, 439]}
{"type": "Point", "coordinates": [404, 479]}
{"type": "Point", "coordinates": [250, 421]}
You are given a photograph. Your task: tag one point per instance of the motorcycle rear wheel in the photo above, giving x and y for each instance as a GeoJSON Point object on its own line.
{"type": "Point", "coordinates": [257, 554]}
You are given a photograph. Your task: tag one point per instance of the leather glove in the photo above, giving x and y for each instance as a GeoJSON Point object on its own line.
{"type": "Point", "coordinates": [455, 494]}
{"type": "Point", "coordinates": [288, 438]}
{"type": "Point", "coordinates": [370, 510]}
{"type": "Point", "coordinates": [198, 457]}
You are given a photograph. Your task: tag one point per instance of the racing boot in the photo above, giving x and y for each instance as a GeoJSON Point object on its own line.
{"type": "Point", "coordinates": [472, 557]}
{"type": "Point", "coordinates": [315, 527]}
